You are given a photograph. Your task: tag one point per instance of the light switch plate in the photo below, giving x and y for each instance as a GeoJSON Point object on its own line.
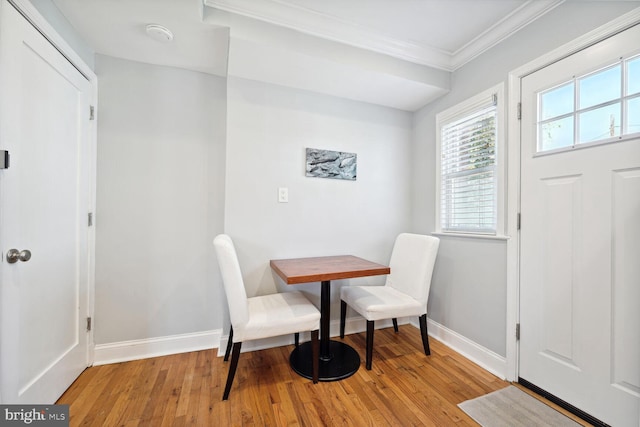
{"type": "Point", "coordinates": [283, 195]}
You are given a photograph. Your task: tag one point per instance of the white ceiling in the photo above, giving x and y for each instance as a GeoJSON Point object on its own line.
{"type": "Point", "coordinates": [397, 53]}
{"type": "Point", "coordinates": [117, 28]}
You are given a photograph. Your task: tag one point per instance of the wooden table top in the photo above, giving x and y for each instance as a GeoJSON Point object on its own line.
{"type": "Point", "coordinates": [318, 269]}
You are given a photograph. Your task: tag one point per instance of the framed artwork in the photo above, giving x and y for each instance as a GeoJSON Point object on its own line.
{"type": "Point", "coordinates": [331, 164]}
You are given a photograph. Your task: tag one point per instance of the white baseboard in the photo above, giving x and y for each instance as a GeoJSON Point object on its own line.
{"type": "Point", "coordinates": [478, 354]}
{"type": "Point", "coordinates": [153, 347]}
{"type": "Point", "coordinates": [174, 344]}
{"type": "Point", "coordinates": [473, 351]}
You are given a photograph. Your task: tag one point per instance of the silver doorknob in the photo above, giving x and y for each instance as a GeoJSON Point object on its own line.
{"type": "Point", "coordinates": [14, 255]}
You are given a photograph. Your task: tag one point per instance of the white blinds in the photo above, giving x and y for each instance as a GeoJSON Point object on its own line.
{"type": "Point", "coordinates": [468, 172]}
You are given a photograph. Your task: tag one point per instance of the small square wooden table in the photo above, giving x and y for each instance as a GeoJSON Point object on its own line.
{"type": "Point", "coordinates": [337, 359]}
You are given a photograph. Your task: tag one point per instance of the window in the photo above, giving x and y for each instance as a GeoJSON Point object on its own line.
{"type": "Point", "coordinates": [468, 174]}
{"type": "Point", "coordinates": [599, 107]}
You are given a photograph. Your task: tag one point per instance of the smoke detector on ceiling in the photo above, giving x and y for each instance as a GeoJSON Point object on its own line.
{"type": "Point", "coordinates": [160, 33]}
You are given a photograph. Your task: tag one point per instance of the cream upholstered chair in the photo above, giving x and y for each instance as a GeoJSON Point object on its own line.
{"type": "Point", "coordinates": [405, 293]}
{"type": "Point", "coordinates": [262, 316]}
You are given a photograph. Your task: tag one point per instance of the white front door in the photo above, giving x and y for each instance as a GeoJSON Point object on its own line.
{"type": "Point", "coordinates": [45, 197]}
{"type": "Point", "coordinates": [580, 232]}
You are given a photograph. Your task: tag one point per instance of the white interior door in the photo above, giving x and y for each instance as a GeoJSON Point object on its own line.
{"type": "Point", "coordinates": [45, 199]}
{"type": "Point", "coordinates": [580, 233]}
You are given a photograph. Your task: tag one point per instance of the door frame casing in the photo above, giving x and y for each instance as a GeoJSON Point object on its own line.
{"type": "Point", "coordinates": [513, 169]}
{"type": "Point", "coordinates": [33, 16]}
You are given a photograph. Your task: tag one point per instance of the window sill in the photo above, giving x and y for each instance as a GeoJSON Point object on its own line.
{"type": "Point", "coordinates": [473, 236]}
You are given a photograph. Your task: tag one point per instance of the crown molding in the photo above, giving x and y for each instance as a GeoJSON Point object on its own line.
{"type": "Point", "coordinates": [326, 26]}
{"type": "Point", "coordinates": [333, 28]}
{"type": "Point", "coordinates": [501, 30]}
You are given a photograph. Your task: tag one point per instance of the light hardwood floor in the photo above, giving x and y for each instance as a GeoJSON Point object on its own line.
{"type": "Point", "coordinates": [404, 388]}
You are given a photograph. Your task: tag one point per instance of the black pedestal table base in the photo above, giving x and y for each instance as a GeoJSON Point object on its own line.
{"type": "Point", "coordinates": [343, 361]}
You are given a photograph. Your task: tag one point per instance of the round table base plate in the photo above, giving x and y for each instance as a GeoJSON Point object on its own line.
{"type": "Point", "coordinates": [344, 362]}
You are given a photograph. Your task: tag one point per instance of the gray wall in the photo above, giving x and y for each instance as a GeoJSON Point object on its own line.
{"type": "Point", "coordinates": [160, 200]}
{"type": "Point", "coordinates": [269, 128]}
{"type": "Point", "coordinates": [468, 294]}
{"type": "Point", "coordinates": [162, 169]}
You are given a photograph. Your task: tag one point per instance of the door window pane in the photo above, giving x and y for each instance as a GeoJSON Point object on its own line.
{"type": "Point", "coordinates": [633, 76]}
{"type": "Point", "coordinates": [601, 123]}
{"type": "Point", "coordinates": [589, 108]}
{"type": "Point", "coordinates": [633, 116]}
{"type": "Point", "coordinates": [557, 102]}
{"type": "Point", "coordinates": [556, 134]}
{"type": "Point", "coordinates": [600, 87]}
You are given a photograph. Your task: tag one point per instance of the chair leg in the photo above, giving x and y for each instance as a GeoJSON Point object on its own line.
{"type": "Point", "coordinates": [229, 344]}
{"type": "Point", "coordinates": [315, 354]}
{"type": "Point", "coordinates": [232, 369]}
{"type": "Point", "coordinates": [395, 324]}
{"type": "Point", "coordinates": [370, 325]}
{"type": "Point", "coordinates": [343, 317]}
{"type": "Point", "coordinates": [423, 332]}
{"type": "Point", "coordinates": [296, 339]}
